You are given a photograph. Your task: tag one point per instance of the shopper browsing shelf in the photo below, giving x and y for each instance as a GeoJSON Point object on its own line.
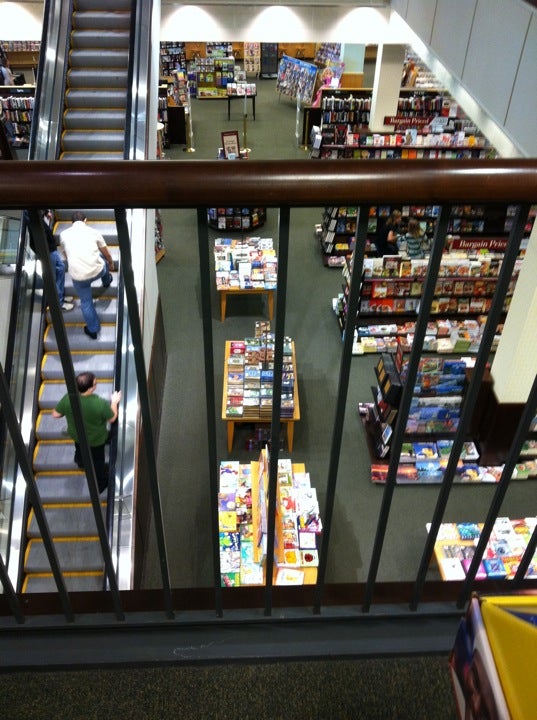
{"type": "Point", "coordinates": [386, 240]}
{"type": "Point", "coordinates": [88, 260]}
{"type": "Point", "coordinates": [415, 241]}
{"type": "Point", "coordinates": [97, 413]}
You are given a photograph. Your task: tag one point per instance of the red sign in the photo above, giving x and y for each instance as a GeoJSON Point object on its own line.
{"type": "Point", "coordinates": [476, 243]}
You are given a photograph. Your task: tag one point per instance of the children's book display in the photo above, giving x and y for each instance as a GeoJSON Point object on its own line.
{"type": "Point", "coordinates": [245, 263]}
{"type": "Point", "coordinates": [243, 523]}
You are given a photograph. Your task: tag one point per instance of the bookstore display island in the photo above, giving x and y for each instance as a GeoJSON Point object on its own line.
{"type": "Point", "coordinates": [245, 267]}
{"type": "Point", "coordinates": [243, 522]}
{"type": "Point", "coordinates": [248, 385]}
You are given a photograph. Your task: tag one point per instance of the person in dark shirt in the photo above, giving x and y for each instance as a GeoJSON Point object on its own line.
{"type": "Point", "coordinates": [386, 240]}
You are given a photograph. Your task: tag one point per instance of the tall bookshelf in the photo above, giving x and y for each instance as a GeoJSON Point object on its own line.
{"type": "Point", "coordinates": [17, 107]}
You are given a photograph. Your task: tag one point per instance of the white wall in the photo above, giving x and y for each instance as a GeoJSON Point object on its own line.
{"type": "Point", "coordinates": [21, 21]}
{"type": "Point", "coordinates": [490, 49]}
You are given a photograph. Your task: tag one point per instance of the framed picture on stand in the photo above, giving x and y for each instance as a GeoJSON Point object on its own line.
{"type": "Point", "coordinates": [230, 144]}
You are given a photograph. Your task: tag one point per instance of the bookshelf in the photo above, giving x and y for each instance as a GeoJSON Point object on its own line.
{"type": "Point", "coordinates": [23, 58]}
{"type": "Point", "coordinates": [17, 106]}
{"type": "Point", "coordinates": [391, 286]}
{"type": "Point", "coordinates": [212, 76]}
{"type": "Point", "coordinates": [269, 60]}
{"type": "Point", "coordinates": [172, 58]}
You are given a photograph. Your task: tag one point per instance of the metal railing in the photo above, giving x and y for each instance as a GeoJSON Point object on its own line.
{"type": "Point", "coordinates": [284, 185]}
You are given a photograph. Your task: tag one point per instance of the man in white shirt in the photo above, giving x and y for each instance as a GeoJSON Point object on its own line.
{"type": "Point", "coordinates": [88, 260]}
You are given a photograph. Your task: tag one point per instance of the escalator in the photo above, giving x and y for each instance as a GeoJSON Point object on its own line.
{"type": "Point", "coordinates": [93, 128]}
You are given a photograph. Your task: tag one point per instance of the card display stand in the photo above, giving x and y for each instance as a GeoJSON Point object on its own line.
{"type": "Point", "coordinates": [242, 518]}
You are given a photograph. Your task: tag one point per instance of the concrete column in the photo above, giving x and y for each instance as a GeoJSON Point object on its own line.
{"type": "Point", "coordinates": [386, 85]}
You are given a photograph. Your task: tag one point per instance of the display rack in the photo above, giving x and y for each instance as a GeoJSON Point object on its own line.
{"type": "Point", "coordinates": [212, 76]}
{"type": "Point", "coordinates": [243, 523]}
{"type": "Point", "coordinates": [172, 58]}
{"type": "Point", "coordinates": [391, 286]}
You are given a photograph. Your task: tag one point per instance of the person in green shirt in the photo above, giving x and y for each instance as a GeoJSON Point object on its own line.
{"type": "Point", "coordinates": [97, 414]}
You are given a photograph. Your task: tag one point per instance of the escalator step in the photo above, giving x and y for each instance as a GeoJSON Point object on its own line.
{"type": "Point", "coordinates": [84, 140]}
{"type": "Point", "coordinates": [78, 340]}
{"type": "Point", "coordinates": [106, 310]}
{"type": "Point", "coordinates": [74, 582]}
{"type": "Point", "coordinates": [101, 18]}
{"type": "Point", "coordinates": [106, 78]}
{"type": "Point", "coordinates": [66, 521]}
{"type": "Point", "coordinates": [51, 391]}
{"type": "Point", "coordinates": [101, 364]}
{"type": "Point", "coordinates": [98, 57]}
{"type": "Point", "coordinates": [96, 118]}
{"type": "Point", "coordinates": [54, 455]}
{"type": "Point", "coordinates": [48, 427]}
{"type": "Point", "coordinates": [100, 38]}
{"type": "Point", "coordinates": [78, 555]}
{"type": "Point", "coordinates": [62, 487]}
{"type": "Point", "coordinates": [97, 290]}
{"type": "Point", "coordinates": [102, 5]}
{"type": "Point", "coordinates": [92, 98]}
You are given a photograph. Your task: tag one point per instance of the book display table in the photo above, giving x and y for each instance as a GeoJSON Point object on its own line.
{"type": "Point", "coordinates": [245, 267]}
{"type": "Point", "coordinates": [241, 404]}
{"type": "Point", "coordinates": [225, 292]}
{"type": "Point", "coordinates": [241, 91]}
{"type": "Point", "coordinates": [243, 522]}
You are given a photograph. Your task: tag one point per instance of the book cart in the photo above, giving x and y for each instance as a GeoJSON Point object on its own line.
{"type": "Point", "coordinates": [242, 523]}
{"type": "Point", "coordinates": [247, 386]}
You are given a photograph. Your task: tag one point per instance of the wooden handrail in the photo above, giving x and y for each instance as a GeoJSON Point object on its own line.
{"type": "Point", "coordinates": [270, 183]}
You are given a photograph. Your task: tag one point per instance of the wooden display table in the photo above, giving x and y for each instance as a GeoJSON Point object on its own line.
{"type": "Point", "coordinates": [231, 421]}
{"type": "Point", "coordinates": [240, 97]}
{"type": "Point", "coordinates": [224, 292]}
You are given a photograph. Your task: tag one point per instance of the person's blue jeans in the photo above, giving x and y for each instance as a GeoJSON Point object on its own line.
{"type": "Point", "coordinates": [59, 272]}
{"type": "Point", "coordinates": [84, 292]}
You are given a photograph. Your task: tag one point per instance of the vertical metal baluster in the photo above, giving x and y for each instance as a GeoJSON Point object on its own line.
{"type": "Point", "coordinates": [208, 353]}
{"type": "Point", "coordinates": [281, 299]}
